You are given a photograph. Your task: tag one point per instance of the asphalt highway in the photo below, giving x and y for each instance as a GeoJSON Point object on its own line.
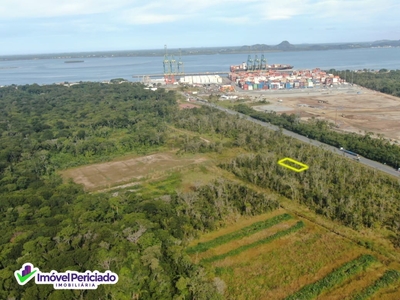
{"type": "Point", "coordinates": [365, 161]}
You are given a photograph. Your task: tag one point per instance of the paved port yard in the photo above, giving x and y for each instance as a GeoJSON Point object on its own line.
{"type": "Point", "coordinates": [353, 108]}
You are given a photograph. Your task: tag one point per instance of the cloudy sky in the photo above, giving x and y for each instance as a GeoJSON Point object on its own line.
{"type": "Point", "coordinates": [49, 26]}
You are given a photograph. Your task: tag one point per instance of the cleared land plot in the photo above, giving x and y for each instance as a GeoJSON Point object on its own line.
{"type": "Point", "coordinates": [282, 267]}
{"type": "Point", "coordinates": [116, 173]}
{"type": "Point", "coordinates": [354, 109]}
{"type": "Point", "coordinates": [273, 107]}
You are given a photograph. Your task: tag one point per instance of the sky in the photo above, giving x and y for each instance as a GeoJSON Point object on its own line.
{"type": "Point", "coordinates": [49, 26]}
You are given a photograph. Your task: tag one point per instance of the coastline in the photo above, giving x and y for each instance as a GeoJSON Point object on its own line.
{"type": "Point", "coordinates": [185, 52]}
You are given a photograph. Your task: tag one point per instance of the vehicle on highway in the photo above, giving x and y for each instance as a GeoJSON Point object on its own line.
{"type": "Point", "coordinates": [356, 156]}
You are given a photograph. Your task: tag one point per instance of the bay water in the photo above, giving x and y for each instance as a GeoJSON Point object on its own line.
{"type": "Point", "coordinates": [48, 71]}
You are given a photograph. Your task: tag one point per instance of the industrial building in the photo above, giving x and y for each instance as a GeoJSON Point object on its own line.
{"type": "Point", "coordinates": [201, 79]}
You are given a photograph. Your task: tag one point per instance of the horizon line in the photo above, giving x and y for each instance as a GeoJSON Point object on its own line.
{"type": "Point", "coordinates": [182, 48]}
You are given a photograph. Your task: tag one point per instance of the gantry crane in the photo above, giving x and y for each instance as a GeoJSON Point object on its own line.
{"type": "Point", "coordinates": [263, 65]}
{"type": "Point", "coordinates": [249, 63]}
{"type": "Point", "coordinates": [180, 65]}
{"type": "Point", "coordinates": [170, 67]}
{"type": "Point", "coordinates": [256, 65]}
{"type": "Point", "coordinates": [168, 75]}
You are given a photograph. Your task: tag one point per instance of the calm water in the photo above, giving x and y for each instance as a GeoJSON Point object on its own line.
{"type": "Point", "coordinates": [47, 71]}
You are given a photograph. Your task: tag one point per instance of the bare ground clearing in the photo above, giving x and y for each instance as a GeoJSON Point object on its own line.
{"type": "Point", "coordinates": [116, 173]}
{"type": "Point", "coordinates": [353, 109]}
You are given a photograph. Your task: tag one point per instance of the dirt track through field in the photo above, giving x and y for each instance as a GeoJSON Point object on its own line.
{"type": "Point", "coordinates": [113, 173]}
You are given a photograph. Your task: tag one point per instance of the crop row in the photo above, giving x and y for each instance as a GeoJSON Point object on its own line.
{"type": "Point", "coordinates": [336, 277]}
{"type": "Point", "coordinates": [246, 231]}
{"type": "Point", "coordinates": [268, 239]}
{"type": "Point", "coordinates": [387, 279]}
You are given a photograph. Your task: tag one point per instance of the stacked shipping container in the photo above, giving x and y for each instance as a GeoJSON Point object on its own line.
{"type": "Point", "coordinates": [283, 79]}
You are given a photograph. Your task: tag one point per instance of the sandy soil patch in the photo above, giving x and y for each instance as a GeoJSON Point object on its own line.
{"type": "Point", "coordinates": [351, 108]}
{"type": "Point", "coordinates": [273, 107]}
{"type": "Point", "coordinates": [120, 172]}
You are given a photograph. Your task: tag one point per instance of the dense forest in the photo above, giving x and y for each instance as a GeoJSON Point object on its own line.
{"type": "Point", "coordinates": [384, 81]}
{"type": "Point", "coordinates": [377, 149]}
{"type": "Point", "coordinates": [57, 226]}
{"type": "Point", "coordinates": [142, 237]}
{"type": "Point", "coordinates": [68, 126]}
{"type": "Point", "coordinates": [335, 187]}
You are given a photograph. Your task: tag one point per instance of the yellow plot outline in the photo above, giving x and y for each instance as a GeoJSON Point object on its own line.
{"type": "Point", "coordinates": [283, 160]}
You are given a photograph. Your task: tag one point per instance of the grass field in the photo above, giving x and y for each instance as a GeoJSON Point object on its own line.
{"type": "Point", "coordinates": [245, 232]}
{"type": "Point", "coordinates": [282, 267]}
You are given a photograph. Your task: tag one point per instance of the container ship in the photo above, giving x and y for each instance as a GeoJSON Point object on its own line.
{"type": "Point", "coordinates": [73, 61]}
{"type": "Point", "coordinates": [246, 68]}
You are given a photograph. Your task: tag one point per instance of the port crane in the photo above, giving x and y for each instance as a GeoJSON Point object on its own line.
{"type": "Point", "coordinates": [166, 64]}
{"type": "Point", "coordinates": [173, 65]}
{"type": "Point", "coordinates": [263, 65]}
{"type": "Point", "coordinates": [169, 64]}
{"type": "Point", "coordinates": [249, 63]}
{"type": "Point", "coordinates": [256, 65]}
{"type": "Point", "coordinates": [180, 65]}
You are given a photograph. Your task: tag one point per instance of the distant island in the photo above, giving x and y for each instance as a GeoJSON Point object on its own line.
{"type": "Point", "coordinates": [281, 47]}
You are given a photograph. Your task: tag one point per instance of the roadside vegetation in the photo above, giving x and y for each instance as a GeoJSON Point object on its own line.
{"type": "Point", "coordinates": [334, 187]}
{"type": "Point", "coordinates": [377, 149]}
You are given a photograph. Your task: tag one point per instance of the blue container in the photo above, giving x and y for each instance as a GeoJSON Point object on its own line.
{"type": "Point", "coordinates": [261, 85]}
{"type": "Point", "coordinates": [248, 82]}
